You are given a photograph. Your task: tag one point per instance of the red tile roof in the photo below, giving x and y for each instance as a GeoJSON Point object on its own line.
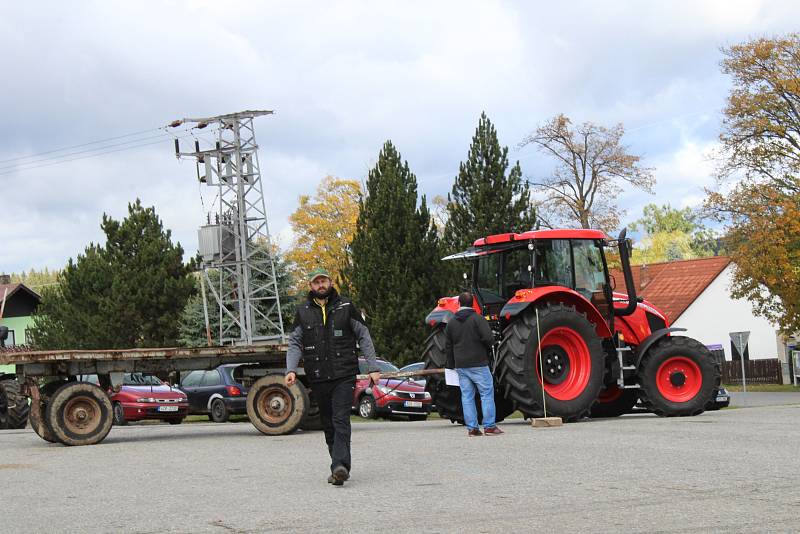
{"type": "Point", "coordinates": [673, 286]}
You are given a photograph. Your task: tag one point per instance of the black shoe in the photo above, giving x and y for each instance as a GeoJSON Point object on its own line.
{"type": "Point", "coordinates": [340, 474]}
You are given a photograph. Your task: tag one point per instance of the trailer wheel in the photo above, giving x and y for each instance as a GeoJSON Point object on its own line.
{"type": "Point", "coordinates": [80, 413]}
{"type": "Point", "coordinates": [679, 376]}
{"type": "Point", "coordinates": [614, 401]}
{"type": "Point", "coordinates": [447, 399]}
{"type": "Point", "coordinates": [573, 363]}
{"type": "Point", "coordinates": [14, 406]}
{"type": "Point", "coordinates": [37, 414]}
{"type": "Point", "coordinates": [274, 408]}
{"type": "Point", "coordinates": [313, 420]}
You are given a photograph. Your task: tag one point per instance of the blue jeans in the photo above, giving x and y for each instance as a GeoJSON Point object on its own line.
{"type": "Point", "coordinates": [470, 378]}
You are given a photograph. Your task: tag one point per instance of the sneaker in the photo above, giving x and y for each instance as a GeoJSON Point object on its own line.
{"type": "Point", "coordinates": [492, 431]}
{"type": "Point", "coordinates": [340, 474]}
{"type": "Point", "coordinates": [474, 432]}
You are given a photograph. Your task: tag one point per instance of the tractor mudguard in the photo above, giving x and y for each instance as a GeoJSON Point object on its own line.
{"type": "Point", "coordinates": [652, 338]}
{"type": "Point", "coordinates": [445, 309]}
{"type": "Point", "coordinates": [525, 297]}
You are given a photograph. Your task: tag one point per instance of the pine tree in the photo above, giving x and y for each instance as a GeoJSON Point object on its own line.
{"type": "Point", "coordinates": [486, 200]}
{"type": "Point", "coordinates": [394, 272]}
{"type": "Point", "coordinates": [128, 293]}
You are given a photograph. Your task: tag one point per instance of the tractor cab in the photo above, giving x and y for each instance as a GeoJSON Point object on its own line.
{"type": "Point", "coordinates": [505, 264]}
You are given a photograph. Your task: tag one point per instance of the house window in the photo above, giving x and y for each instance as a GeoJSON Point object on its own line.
{"type": "Point", "coordinates": [11, 340]}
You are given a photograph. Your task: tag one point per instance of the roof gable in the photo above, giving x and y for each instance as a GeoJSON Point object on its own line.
{"type": "Point", "coordinates": [673, 286]}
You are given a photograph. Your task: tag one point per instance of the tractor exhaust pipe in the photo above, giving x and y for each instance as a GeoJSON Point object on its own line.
{"type": "Point", "coordinates": [625, 260]}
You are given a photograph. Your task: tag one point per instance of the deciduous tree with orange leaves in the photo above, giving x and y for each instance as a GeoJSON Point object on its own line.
{"type": "Point", "coordinates": [323, 227]}
{"type": "Point", "coordinates": [761, 151]}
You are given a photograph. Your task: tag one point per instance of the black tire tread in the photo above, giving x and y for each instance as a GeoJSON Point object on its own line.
{"type": "Point", "coordinates": [18, 407]}
{"type": "Point", "coordinates": [511, 363]}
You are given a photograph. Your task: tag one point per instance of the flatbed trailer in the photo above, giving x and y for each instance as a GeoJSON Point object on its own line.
{"type": "Point", "coordinates": [66, 410]}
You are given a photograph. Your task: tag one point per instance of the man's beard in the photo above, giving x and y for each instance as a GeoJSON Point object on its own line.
{"type": "Point", "coordinates": [322, 294]}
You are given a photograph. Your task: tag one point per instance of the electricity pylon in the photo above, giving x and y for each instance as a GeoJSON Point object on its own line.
{"type": "Point", "coordinates": [235, 247]}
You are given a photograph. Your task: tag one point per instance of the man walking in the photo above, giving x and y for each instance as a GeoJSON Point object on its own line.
{"type": "Point", "coordinates": [468, 339]}
{"type": "Point", "coordinates": [325, 332]}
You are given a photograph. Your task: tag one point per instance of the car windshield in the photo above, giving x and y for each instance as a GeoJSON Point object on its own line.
{"type": "Point", "coordinates": [139, 379]}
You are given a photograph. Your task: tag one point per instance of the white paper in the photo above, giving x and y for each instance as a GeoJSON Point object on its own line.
{"type": "Point", "coordinates": [451, 377]}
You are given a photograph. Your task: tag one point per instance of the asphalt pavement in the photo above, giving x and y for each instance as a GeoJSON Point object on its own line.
{"type": "Point", "coordinates": [728, 471]}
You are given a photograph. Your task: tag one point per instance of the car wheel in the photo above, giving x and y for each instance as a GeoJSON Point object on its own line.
{"type": "Point", "coordinates": [119, 415]}
{"type": "Point", "coordinates": [366, 407]}
{"type": "Point", "coordinates": [219, 412]}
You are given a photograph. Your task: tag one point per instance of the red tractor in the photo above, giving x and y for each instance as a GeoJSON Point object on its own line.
{"type": "Point", "coordinates": [560, 327]}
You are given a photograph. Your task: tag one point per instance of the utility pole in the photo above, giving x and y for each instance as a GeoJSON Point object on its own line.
{"type": "Point", "coordinates": [234, 244]}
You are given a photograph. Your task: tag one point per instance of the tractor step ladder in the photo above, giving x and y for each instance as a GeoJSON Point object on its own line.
{"type": "Point", "coordinates": [621, 379]}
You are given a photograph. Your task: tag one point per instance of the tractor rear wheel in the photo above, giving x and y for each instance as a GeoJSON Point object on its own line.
{"type": "Point", "coordinates": [14, 406]}
{"type": "Point", "coordinates": [572, 363]}
{"type": "Point", "coordinates": [614, 401]}
{"type": "Point", "coordinates": [678, 376]}
{"type": "Point", "coordinates": [447, 399]}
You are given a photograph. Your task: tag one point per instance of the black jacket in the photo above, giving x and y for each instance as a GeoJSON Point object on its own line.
{"type": "Point", "coordinates": [328, 346]}
{"type": "Point", "coordinates": [468, 338]}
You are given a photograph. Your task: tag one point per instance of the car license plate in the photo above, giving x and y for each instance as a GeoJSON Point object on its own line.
{"type": "Point", "coordinates": [167, 408]}
{"type": "Point", "coordinates": [412, 404]}
{"type": "Point", "coordinates": [722, 398]}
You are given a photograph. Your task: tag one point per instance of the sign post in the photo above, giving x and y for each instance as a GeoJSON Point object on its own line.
{"type": "Point", "coordinates": [740, 340]}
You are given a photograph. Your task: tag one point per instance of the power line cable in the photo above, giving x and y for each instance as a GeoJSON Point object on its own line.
{"type": "Point", "coordinates": [17, 169]}
{"type": "Point", "coordinates": [83, 144]}
{"type": "Point", "coordinates": [87, 150]}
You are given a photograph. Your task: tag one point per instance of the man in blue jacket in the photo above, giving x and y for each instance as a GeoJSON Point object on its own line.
{"type": "Point", "coordinates": [468, 339]}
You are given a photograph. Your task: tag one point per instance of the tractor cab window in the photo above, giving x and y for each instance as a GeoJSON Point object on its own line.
{"type": "Point", "coordinates": [552, 263]}
{"type": "Point", "coordinates": [590, 274]}
{"type": "Point", "coordinates": [517, 271]}
{"type": "Point", "coordinates": [487, 280]}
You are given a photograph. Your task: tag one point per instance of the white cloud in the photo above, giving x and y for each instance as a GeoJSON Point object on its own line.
{"type": "Point", "coordinates": [344, 77]}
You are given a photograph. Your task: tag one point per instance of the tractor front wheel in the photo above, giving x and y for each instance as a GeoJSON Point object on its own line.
{"type": "Point", "coordinates": [566, 378]}
{"type": "Point", "coordinates": [678, 376]}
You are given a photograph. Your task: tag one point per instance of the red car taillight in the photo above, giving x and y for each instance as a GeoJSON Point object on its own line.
{"type": "Point", "coordinates": [233, 391]}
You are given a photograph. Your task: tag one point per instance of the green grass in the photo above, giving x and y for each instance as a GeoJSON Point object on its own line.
{"type": "Point", "coordinates": [764, 388]}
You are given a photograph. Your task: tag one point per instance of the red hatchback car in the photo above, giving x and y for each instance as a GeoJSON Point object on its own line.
{"type": "Point", "coordinates": [391, 396]}
{"type": "Point", "coordinates": [147, 397]}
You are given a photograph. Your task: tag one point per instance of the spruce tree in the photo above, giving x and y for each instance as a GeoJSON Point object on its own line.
{"type": "Point", "coordinates": [486, 199]}
{"type": "Point", "coordinates": [128, 293]}
{"type": "Point", "coordinates": [394, 271]}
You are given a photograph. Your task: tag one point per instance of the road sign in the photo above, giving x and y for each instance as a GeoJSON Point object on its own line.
{"type": "Point", "coordinates": [740, 340]}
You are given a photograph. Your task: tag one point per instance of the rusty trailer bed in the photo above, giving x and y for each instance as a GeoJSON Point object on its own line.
{"type": "Point", "coordinates": [146, 360]}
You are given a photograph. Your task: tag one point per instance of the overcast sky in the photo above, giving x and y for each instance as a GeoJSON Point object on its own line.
{"type": "Point", "coordinates": [343, 77]}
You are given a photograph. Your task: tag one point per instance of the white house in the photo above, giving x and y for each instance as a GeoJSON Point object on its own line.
{"type": "Point", "coordinates": [695, 294]}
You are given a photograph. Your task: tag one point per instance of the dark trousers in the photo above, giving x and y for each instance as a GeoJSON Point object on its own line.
{"type": "Point", "coordinates": [335, 400]}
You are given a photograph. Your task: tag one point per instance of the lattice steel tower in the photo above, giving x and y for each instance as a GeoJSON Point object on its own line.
{"type": "Point", "coordinates": [235, 247]}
